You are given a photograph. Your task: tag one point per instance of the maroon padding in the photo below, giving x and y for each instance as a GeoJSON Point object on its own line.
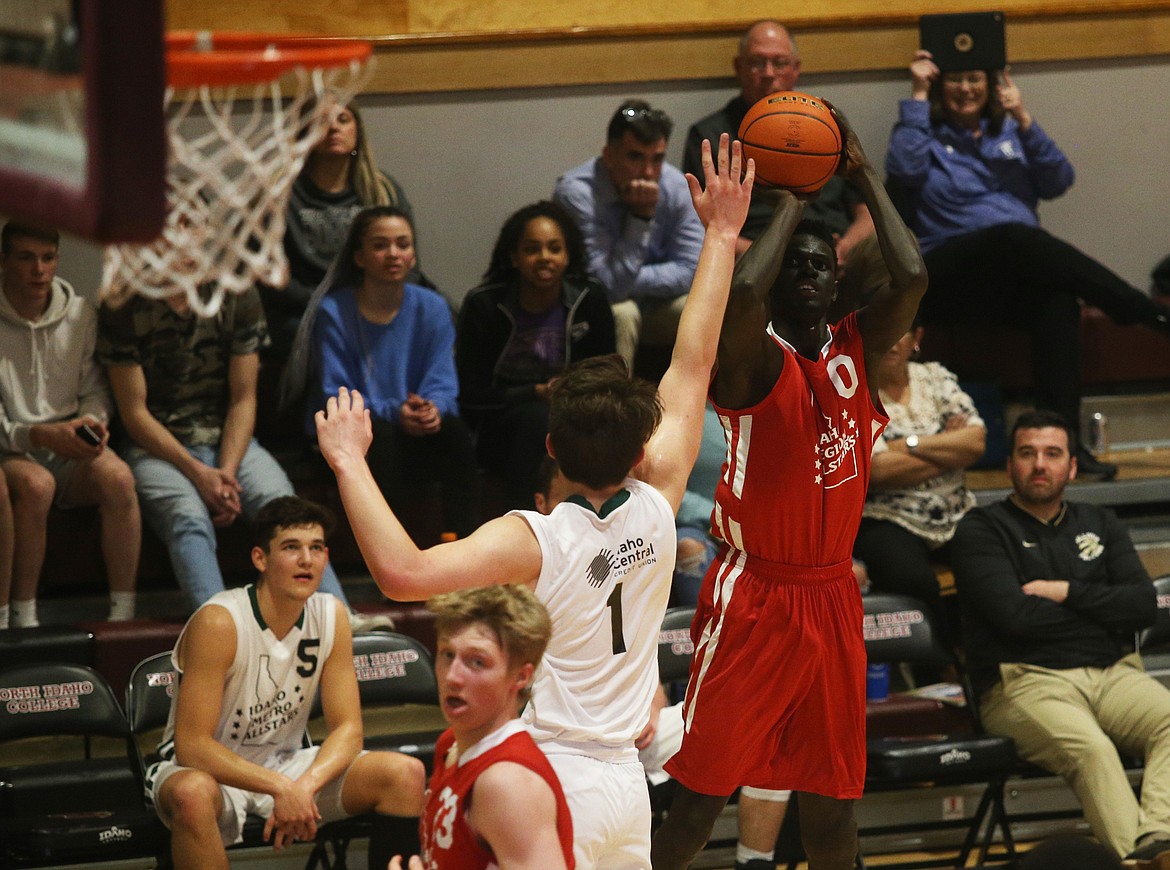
{"type": "Point", "coordinates": [903, 715]}
{"type": "Point", "coordinates": [124, 196]}
{"type": "Point", "coordinates": [119, 646]}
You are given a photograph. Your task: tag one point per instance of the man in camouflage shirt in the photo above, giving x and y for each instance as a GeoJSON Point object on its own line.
{"type": "Point", "coordinates": [185, 388]}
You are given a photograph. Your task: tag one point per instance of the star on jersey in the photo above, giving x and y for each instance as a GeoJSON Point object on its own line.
{"type": "Point", "coordinates": [836, 451]}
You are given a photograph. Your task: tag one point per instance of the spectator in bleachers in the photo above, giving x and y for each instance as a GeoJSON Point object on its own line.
{"type": "Point", "coordinates": [642, 235]}
{"type": "Point", "coordinates": [767, 62]}
{"type": "Point", "coordinates": [536, 312]}
{"type": "Point", "coordinates": [338, 180]}
{"type": "Point", "coordinates": [186, 393]}
{"type": "Point", "coordinates": [971, 165]}
{"type": "Point", "coordinates": [54, 407]}
{"type": "Point", "coordinates": [394, 341]}
{"type": "Point", "coordinates": [916, 492]}
{"type": "Point", "coordinates": [251, 663]}
{"type": "Point", "coordinates": [1052, 592]}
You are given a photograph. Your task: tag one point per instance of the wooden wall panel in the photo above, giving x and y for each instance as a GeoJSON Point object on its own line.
{"type": "Point", "coordinates": [450, 45]}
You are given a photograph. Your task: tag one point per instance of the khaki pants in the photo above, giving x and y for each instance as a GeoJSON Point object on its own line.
{"type": "Point", "coordinates": [1068, 722]}
{"type": "Point", "coordinates": [648, 321]}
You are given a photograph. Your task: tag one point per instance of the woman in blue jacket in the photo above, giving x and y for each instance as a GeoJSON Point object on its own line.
{"type": "Point", "coordinates": [971, 164]}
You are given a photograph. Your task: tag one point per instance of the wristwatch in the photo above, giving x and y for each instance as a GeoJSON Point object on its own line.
{"type": "Point", "coordinates": [911, 443]}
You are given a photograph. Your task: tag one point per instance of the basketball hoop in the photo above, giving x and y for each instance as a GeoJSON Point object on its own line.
{"type": "Point", "coordinates": [243, 112]}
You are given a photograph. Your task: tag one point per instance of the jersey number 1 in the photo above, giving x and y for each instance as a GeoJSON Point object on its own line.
{"type": "Point", "coordinates": [614, 602]}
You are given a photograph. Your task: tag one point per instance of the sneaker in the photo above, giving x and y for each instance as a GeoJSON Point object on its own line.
{"type": "Point", "coordinates": [1087, 463]}
{"type": "Point", "coordinates": [1152, 856]}
{"type": "Point", "coordinates": [755, 864]}
{"type": "Point", "coordinates": [359, 623]}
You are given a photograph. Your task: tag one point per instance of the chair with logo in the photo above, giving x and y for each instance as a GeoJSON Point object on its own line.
{"type": "Point", "coordinates": [71, 786]}
{"type": "Point", "coordinates": [898, 630]}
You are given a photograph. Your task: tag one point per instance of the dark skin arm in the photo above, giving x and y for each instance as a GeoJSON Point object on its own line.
{"type": "Point", "coordinates": [749, 361]}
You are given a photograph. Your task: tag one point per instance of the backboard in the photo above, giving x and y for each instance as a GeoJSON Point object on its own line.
{"type": "Point", "coordinates": [82, 136]}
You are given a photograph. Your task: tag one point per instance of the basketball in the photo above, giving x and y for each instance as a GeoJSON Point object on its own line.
{"type": "Point", "coordinates": [794, 140]}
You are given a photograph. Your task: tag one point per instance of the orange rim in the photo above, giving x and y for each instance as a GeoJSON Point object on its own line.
{"type": "Point", "coordinates": [251, 58]}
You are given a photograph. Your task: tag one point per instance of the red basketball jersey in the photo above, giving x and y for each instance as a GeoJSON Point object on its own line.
{"type": "Point", "coordinates": [448, 843]}
{"type": "Point", "coordinates": [797, 464]}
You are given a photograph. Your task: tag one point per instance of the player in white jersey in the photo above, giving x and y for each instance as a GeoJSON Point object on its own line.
{"type": "Point", "coordinates": [602, 561]}
{"type": "Point", "coordinates": [251, 661]}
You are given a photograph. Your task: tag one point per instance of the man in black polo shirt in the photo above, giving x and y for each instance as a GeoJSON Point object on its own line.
{"type": "Point", "coordinates": [1052, 592]}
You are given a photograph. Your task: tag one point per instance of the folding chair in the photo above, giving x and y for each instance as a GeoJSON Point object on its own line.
{"type": "Point", "coordinates": [674, 645]}
{"type": "Point", "coordinates": [86, 808]}
{"type": "Point", "coordinates": [1157, 636]}
{"type": "Point", "coordinates": [898, 630]}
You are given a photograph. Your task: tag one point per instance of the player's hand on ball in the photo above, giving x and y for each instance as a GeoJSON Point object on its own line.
{"type": "Point", "coordinates": [853, 159]}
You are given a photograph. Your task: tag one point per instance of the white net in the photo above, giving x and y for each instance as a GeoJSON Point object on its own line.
{"type": "Point", "coordinates": [234, 154]}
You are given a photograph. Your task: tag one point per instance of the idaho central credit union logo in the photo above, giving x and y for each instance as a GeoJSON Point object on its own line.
{"type": "Point", "coordinates": [600, 568]}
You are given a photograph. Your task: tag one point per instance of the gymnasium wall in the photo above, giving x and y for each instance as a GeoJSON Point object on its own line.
{"type": "Point", "coordinates": [467, 159]}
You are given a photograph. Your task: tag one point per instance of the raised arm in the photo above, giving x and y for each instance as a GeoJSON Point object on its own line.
{"type": "Point", "coordinates": [501, 551]}
{"type": "Point", "coordinates": [891, 310]}
{"type": "Point", "coordinates": [749, 361]}
{"type": "Point", "coordinates": [722, 206]}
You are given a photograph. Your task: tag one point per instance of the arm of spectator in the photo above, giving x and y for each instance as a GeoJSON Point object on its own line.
{"type": "Point", "coordinates": [206, 652]}
{"type": "Point", "coordinates": [93, 396]}
{"type": "Point", "coordinates": [217, 490]}
{"type": "Point", "coordinates": [990, 580]}
{"type": "Point", "coordinates": [683, 235]}
{"type": "Point", "coordinates": [507, 791]}
{"type": "Point", "coordinates": [908, 156]}
{"type": "Point", "coordinates": [954, 448]}
{"type": "Point", "coordinates": [1128, 602]}
{"type": "Point", "coordinates": [439, 383]}
{"type": "Point", "coordinates": [240, 421]}
{"type": "Point", "coordinates": [476, 355]}
{"type": "Point", "coordinates": [615, 253]}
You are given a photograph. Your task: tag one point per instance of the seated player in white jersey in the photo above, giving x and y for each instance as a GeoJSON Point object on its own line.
{"type": "Point", "coordinates": [601, 562]}
{"type": "Point", "coordinates": [251, 660]}
{"type": "Point", "coordinates": [494, 799]}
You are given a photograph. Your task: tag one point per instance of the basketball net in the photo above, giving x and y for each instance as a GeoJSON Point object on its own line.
{"type": "Point", "coordinates": [235, 151]}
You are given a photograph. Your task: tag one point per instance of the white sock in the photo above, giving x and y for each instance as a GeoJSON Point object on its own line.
{"type": "Point", "coordinates": [24, 614]}
{"type": "Point", "coordinates": [743, 854]}
{"type": "Point", "coordinates": [122, 605]}
{"type": "Point", "coordinates": [4, 615]}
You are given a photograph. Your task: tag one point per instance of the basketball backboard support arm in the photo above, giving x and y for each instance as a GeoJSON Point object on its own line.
{"type": "Point", "coordinates": [121, 194]}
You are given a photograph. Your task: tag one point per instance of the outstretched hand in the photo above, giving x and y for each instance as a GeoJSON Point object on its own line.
{"type": "Point", "coordinates": [344, 430]}
{"type": "Point", "coordinates": [722, 202]}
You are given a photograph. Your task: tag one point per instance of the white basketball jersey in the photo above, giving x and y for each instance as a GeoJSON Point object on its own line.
{"type": "Point", "coordinates": [271, 683]}
{"type": "Point", "coordinates": [606, 582]}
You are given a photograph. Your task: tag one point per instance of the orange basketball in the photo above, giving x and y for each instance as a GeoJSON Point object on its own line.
{"type": "Point", "coordinates": [794, 140]}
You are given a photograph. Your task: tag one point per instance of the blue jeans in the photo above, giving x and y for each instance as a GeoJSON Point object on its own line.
{"type": "Point", "coordinates": [171, 506]}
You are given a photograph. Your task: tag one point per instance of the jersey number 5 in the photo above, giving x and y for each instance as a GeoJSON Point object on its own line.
{"type": "Point", "coordinates": [614, 603]}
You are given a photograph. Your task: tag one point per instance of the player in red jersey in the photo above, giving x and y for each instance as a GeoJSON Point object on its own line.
{"type": "Point", "coordinates": [490, 641]}
{"type": "Point", "coordinates": [777, 632]}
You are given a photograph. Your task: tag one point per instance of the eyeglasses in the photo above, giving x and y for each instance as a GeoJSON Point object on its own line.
{"type": "Point", "coordinates": [971, 79]}
{"type": "Point", "coordinates": [760, 64]}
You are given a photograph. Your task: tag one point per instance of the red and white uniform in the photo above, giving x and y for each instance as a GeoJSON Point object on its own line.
{"type": "Point", "coordinates": [777, 632]}
{"type": "Point", "coordinates": [448, 842]}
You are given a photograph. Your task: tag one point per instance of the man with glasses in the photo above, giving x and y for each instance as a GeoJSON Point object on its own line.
{"type": "Point", "coordinates": [641, 231]}
{"type": "Point", "coordinates": [768, 62]}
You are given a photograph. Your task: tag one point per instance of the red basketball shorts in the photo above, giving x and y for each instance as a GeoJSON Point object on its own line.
{"type": "Point", "coordinates": [776, 695]}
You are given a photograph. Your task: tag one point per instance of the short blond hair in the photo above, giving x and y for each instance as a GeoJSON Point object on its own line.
{"type": "Point", "coordinates": [512, 613]}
